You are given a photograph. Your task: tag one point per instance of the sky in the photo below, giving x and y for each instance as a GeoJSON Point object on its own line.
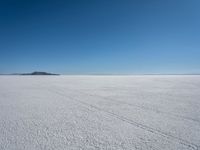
{"type": "Point", "coordinates": [100, 36]}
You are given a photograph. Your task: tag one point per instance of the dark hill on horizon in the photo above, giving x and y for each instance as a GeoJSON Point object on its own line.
{"type": "Point", "coordinates": [38, 73]}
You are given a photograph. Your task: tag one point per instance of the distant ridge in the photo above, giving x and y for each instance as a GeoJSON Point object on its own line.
{"type": "Point", "coordinates": [37, 73]}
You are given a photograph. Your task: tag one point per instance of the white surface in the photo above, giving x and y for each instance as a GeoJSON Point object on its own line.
{"type": "Point", "coordinates": [99, 112]}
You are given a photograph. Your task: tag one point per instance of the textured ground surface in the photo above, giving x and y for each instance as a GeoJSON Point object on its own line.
{"type": "Point", "coordinates": [99, 112]}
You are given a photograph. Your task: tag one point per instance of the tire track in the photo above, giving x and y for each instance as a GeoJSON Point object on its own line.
{"type": "Point", "coordinates": [134, 123]}
{"type": "Point", "coordinates": [138, 106]}
{"type": "Point", "coordinates": [145, 108]}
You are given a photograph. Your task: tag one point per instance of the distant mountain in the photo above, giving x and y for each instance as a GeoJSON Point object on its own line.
{"type": "Point", "coordinates": [38, 73]}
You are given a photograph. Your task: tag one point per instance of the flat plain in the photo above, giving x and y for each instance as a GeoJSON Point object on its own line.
{"type": "Point", "coordinates": [141, 112]}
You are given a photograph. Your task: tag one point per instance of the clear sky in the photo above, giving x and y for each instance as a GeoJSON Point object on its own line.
{"type": "Point", "coordinates": [100, 36]}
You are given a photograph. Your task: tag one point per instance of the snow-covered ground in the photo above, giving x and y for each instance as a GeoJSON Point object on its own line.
{"type": "Point", "coordinates": [100, 112]}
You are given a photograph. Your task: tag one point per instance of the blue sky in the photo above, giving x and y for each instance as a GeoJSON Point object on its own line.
{"type": "Point", "coordinates": [100, 36]}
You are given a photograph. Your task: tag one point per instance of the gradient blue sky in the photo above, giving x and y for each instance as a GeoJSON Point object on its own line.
{"type": "Point", "coordinates": [100, 36]}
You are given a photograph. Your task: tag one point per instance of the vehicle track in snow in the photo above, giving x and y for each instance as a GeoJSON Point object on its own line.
{"type": "Point", "coordinates": [136, 106]}
{"type": "Point", "coordinates": [145, 108]}
{"type": "Point", "coordinates": [129, 121]}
